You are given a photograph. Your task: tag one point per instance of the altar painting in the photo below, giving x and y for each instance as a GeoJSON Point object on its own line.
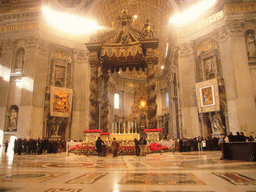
{"type": "Point", "coordinates": [61, 101]}
{"type": "Point", "coordinates": [207, 94]}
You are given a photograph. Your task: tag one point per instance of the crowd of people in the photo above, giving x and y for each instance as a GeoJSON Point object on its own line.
{"type": "Point", "coordinates": [38, 146]}
{"type": "Point", "coordinates": [209, 144]}
{"type": "Point", "coordinates": [48, 145]}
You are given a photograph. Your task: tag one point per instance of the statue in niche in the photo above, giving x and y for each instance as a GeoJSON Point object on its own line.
{"type": "Point", "coordinates": [250, 41]}
{"type": "Point", "coordinates": [55, 126]}
{"type": "Point", "coordinates": [217, 125]}
{"type": "Point", "coordinates": [210, 65]}
{"type": "Point", "coordinates": [12, 120]}
{"type": "Point", "coordinates": [20, 60]}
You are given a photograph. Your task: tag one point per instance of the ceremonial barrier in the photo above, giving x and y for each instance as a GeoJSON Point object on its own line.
{"type": "Point", "coordinates": [245, 151]}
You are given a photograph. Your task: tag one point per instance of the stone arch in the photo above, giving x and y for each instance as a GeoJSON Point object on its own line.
{"type": "Point", "coordinates": [60, 68]}
{"type": "Point", "coordinates": [208, 65]}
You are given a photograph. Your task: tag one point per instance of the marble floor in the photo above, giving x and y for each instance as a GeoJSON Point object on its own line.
{"type": "Point", "coordinates": [168, 172]}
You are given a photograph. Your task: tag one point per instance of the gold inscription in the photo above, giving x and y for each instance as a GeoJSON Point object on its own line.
{"type": "Point", "coordinates": [241, 7]}
{"type": "Point", "coordinates": [199, 25]}
{"type": "Point", "coordinates": [19, 27]}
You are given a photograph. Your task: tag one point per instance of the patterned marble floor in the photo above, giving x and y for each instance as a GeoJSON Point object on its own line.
{"type": "Point", "coordinates": [168, 172]}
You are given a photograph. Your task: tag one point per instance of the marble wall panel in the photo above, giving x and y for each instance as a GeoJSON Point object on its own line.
{"type": "Point", "coordinates": [36, 122]}
{"type": "Point", "coordinates": [24, 121]}
{"type": "Point", "coordinates": [191, 127]}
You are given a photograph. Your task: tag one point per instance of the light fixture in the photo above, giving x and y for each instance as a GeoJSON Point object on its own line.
{"type": "Point", "coordinates": [142, 103]}
{"type": "Point", "coordinates": [192, 13]}
{"type": "Point", "coordinates": [69, 23]}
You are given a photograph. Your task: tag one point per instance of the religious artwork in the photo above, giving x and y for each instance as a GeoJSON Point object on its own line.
{"type": "Point", "coordinates": [251, 43]}
{"type": "Point", "coordinates": [13, 116]}
{"type": "Point", "coordinates": [217, 125]}
{"type": "Point", "coordinates": [161, 179]}
{"type": "Point", "coordinates": [59, 72]}
{"type": "Point", "coordinates": [207, 94]}
{"type": "Point", "coordinates": [70, 3]}
{"type": "Point", "coordinates": [20, 60]}
{"type": "Point", "coordinates": [55, 126]}
{"type": "Point", "coordinates": [61, 101]}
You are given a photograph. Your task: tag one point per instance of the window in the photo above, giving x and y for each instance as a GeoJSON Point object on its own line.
{"type": "Point", "coordinates": [167, 99]}
{"type": "Point", "coordinates": [116, 101]}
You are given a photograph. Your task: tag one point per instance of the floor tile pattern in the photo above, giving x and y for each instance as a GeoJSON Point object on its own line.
{"type": "Point", "coordinates": [235, 178]}
{"type": "Point", "coordinates": [88, 178]}
{"type": "Point", "coordinates": [167, 172]}
{"type": "Point", "coordinates": [161, 179]}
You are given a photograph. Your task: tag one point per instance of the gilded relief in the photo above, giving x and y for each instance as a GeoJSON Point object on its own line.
{"type": "Point", "coordinates": [59, 73]}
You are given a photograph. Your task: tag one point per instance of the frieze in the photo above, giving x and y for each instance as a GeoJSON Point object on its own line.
{"type": "Point", "coordinates": [81, 56]}
{"type": "Point", "coordinates": [16, 16]}
{"type": "Point", "coordinates": [236, 27]}
{"type": "Point", "coordinates": [222, 33]}
{"type": "Point", "coordinates": [43, 46]}
{"type": "Point", "coordinates": [8, 45]}
{"type": "Point", "coordinates": [31, 42]}
{"type": "Point", "coordinates": [186, 49]}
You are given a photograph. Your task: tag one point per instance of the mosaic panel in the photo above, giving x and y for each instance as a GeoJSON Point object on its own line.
{"type": "Point", "coordinates": [161, 179]}
{"type": "Point", "coordinates": [6, 189]}
{"type": "Point", "coordinates": [63, 190]}
{"type": "Point", "coordinates": [88, 178]}
{"type": "Point", "coordinates": [235, 178]}
{"type": "Point", "coordinates": [34, 177]}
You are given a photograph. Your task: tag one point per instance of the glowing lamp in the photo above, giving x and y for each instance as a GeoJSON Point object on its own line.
{"type": "Point", "coordinates": [143, 103]}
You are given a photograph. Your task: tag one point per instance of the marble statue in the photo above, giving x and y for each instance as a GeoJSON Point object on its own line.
{"type": "Point", "coordinates": [251, 45]}
{"type": "Point", "coordinates": [217, 125]}
{"type": "Point", "coordinates": [13, 120]}
{"type": "Point", "coordinates": [20, 60]}
{"type": "Point", "coordinates": [55, 126]}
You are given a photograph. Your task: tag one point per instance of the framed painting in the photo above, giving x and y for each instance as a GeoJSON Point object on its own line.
{"type": "Point", "coordinates": [207, 94]}
{"type": "Point", "coordinates": [61, 101]}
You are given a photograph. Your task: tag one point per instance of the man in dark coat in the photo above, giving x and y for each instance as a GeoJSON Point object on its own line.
{"type": "Point", "coordinates": [137, 146]}
{"type": "Point", "coordinates": [99, 144]}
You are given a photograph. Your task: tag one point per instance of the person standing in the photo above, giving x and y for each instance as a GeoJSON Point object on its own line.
{"type": "Point", "coordinates": [204, 144]}
{"type": "Point", "coordinates": [143, 144]}
{"type": "Point", "coordinates": [137, 146]}
{"type": "Point", "coordinates": [199, 143]}
{"type": "Point", "coordinates": [99, 144]}
{"type": "Point", "coordinates": [6, 145]}
{"type": "Point", "coordinates": [115, 146]}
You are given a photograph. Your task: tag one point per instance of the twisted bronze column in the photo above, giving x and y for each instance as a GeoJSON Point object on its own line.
{"type": "Point", "coordinates": [94, 103]}
{"type": "Point", "coordinates": [105, 101]}
{"type": "Point", "coordinates": [151, 84]}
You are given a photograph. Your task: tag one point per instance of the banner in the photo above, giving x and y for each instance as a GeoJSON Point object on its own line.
{"type": "Point", "coordinates": [61, 101]}
{"type": "Point", "coordinates": [207, 94]}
